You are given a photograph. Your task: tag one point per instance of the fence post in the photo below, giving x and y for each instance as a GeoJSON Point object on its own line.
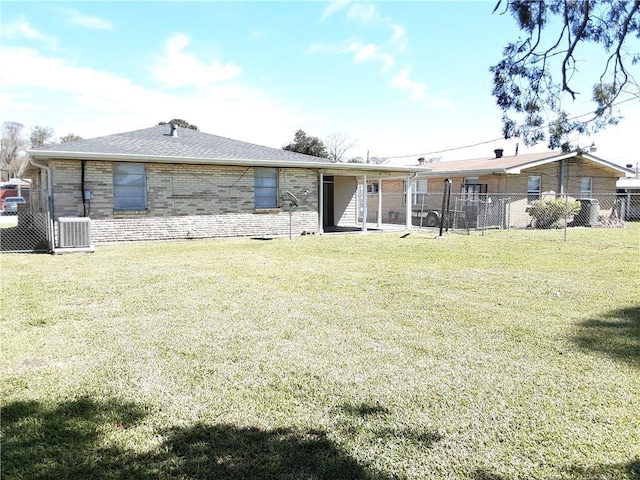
{"type": "Point", "coordinates": [445, 204]}
{"type": "Point", "coordinates": [566, 215]}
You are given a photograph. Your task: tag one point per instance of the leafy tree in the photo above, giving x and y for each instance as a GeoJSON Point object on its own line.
{"type": "Point", "coordinates": [548, 211]}
{"type": "Point", "coordinates": [12, 145]}
{"type": "Point", "coordinates": [178, 122]}
{"type": "Point", "coordinates": [71, 137]}
{"type": "Point", "coordinates": [303, 143]}
{"type": "Point", "coordinates": [337, 145]}
{"type": "Point", "coordinates": [40, 136]}
{"type": "Point", "coordinates": [540, 70]}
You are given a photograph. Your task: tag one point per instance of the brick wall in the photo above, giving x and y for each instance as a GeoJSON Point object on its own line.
{"type": "Point", "coordinates": [139, 228]}
{"type": "Point", "coordinates": [183, 201]}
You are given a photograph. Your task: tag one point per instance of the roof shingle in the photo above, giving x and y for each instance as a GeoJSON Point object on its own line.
{"type": "Point", "coordinates": [157, 141]}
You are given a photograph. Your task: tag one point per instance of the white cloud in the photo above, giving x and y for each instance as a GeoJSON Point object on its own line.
{"type": "Point", "coordinates": [399, 37]}
{"type": "Point", "coordinates": [333, 7]}
{"type": "Point", "coordinates": [52, 91]}
{"type": "Point", "coordinates": [402, 81]}
{"type": "Point", "coordinates": [179, 69]}
{"type": "Point", "coordinates": [364, 52]}
{"type": "Point", "coordinates": [22, 29]}
{"type": "Point", "coordinates": [418, 90]}
{"type": "Point", "coordinates": [76, 18]}
{"type": "Point", "coordinates": [364, 13]}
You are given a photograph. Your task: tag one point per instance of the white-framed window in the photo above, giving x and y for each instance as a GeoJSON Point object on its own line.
{"type": "Point", "coordinates": [129, 186]}
{"type": "Point", "coordinates": [586, 186]}
{"type": "Point", "coordinates": [418, 192]}
{"type": "Point", "coordinates": [265, 187]}
{"type": "Point", "coordinates": [534, 188]}
{"type": "Point", "coordinates": [472, 189]}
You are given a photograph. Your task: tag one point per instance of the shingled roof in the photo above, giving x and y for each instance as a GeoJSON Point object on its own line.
{"type": "Point", "coordinates": [514, 164]}
{"type": "Point", "coordinates": [187, 143]}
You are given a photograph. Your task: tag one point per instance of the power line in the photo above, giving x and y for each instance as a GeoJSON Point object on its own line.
{"type": "Point", "coordinates": [499, 138]}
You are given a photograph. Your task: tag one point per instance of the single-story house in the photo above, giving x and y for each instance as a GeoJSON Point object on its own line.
{"type": "Point", "coordinates": [168, 182]}
{"type": "Point", "coordinates": [500, 188]}
{"type": "Point", "coordinates": [629, 190]}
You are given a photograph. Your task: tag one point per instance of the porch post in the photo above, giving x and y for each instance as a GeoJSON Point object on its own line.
{"type": "Point", "coordinates": [320, 202]}
{"type": "Point", "coordinates": [379, 202]}
{"type": "Point", "coordinates": [409, 197]}
{"type": "Point", "coordinates": [364, 203]}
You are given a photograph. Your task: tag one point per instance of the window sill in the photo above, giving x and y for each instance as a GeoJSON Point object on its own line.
{"type": "Point", "coordinates": [268, 210]}
{"type": "Point", "coordinates": [130, 213]}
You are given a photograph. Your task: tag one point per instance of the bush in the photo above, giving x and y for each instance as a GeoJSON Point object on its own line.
{"type": "Point", "coordinates": [547, 212]}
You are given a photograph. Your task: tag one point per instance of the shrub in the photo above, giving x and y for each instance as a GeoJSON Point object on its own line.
{"type": "Point", "coordinates": [547, 212]}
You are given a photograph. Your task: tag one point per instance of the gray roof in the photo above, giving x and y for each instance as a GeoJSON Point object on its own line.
{"type": "Point", "coordinates": [158, 142]}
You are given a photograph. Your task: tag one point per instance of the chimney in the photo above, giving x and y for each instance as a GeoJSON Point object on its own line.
{"type": "Point", "coordinates": [498, 152]}
{"type": "Point", "coordinates": [174, 130]}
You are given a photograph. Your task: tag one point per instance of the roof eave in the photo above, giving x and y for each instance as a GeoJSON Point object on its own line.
{"type": "Point", "coordinates": [493, 171]}
{"type": "Point", "coordinates": [244, 162]}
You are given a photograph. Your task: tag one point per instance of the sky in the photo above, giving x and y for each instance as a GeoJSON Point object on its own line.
{"type": "Point", "coordinates": [399, 79]}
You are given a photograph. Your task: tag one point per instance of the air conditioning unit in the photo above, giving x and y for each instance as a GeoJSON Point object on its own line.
{"type": "Point", "coordinates": [74, 232]}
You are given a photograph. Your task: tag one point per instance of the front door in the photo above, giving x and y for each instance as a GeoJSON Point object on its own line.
{"type": "Point", "coordinates": [328, 219]}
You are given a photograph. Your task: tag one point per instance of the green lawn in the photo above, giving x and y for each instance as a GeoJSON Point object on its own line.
{"type": "Point", "coordinates": [326, 357]}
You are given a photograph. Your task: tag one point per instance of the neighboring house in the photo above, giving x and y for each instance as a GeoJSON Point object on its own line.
{"type": "Point", "coordinates": [168, 182]}
{"type": "Point", "coordinates": [629, 190]}
{"type": "Point", "coordinates": [504, 185]}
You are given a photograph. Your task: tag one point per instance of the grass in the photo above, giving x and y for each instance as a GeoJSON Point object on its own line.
{"type": "Point", "coordinates": [335, 357]}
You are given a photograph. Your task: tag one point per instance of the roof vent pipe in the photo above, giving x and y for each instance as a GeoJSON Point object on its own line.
{"type": "Point", "coordinates": [174, 130]}
{"type": "Point", "coordinates": [421, 160]}
{"type": "Point", "coordinates": [498, 152]}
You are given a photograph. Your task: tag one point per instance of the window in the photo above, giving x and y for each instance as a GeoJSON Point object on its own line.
{"type": "Point", "coordinates": [586, 186]}
{"type": "Point", "coordinates": [372, 187]}
{"type": "Point", "coordinates": [418, 192]}
{"type": "Point", "coordinates": [533, 188]}
{"type": "Point", "coordinates": [129, 186]}
{"type": "Point", "coordinates": [266, 187]}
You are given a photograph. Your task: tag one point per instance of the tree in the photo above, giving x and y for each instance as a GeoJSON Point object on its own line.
{"type": "Point", "coordinates": [337, 145]}
{"type": "Point", "coordinates": [70, 137]}
{"type": "Point", "coordinates": [178, 122]}
{"type": "Point", "coordinates": [12, 145]}
{"type": "Point", "coordinates": [377, 160]}
{"type": "Point", "coordinates": [40, 136]}
{"type": "Point", "coordinates": [540, 71]}
{"type": "Point", "coordinates": [302, 143]}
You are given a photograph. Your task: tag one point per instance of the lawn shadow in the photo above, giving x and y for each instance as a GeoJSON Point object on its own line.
{"type": "Point", "coordinates": [85, 439]}
{"type": "Point", "coordinates": [65, 440]}
{"type": "Point", "coordinates": [622, 471]}
{"type": "Point", "coordinates": [615, 333]}
{"type": "Point", "coordinates": [364, 409]}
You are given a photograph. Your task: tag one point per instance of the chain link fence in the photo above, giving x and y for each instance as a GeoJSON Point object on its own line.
{"type": "Point", "coordinates": [543, 215]}
{"type": "Point", "coordinates": [28, 228]}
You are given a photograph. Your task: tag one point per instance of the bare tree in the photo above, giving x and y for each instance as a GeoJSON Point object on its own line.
{"type": "Point", "coordinates": [337, 145]}
{"type": "Point", "coordinates": [377, 160]}
{"type": "Point", "coordinates": [70, 137]}
{"type": "Point", "coordinates": [40, 136]}
{"type": "Point", "coordinates": [12, 145]}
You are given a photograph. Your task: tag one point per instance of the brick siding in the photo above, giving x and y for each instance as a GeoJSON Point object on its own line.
{"type": "Point", "coordinates": [183, 201]}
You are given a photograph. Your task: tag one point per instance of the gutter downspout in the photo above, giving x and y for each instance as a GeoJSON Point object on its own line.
{"type": "Point", "coordinates": [47, 169]}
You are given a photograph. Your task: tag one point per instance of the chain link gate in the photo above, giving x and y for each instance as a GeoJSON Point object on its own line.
{"type": "Point", "coordinates": [29, 229]}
